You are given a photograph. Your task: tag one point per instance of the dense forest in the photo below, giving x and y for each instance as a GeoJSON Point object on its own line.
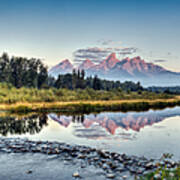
{"type": "Point", "coordinates": [20, 71]}
{"type": "Point", "coordinates": [32, 73]}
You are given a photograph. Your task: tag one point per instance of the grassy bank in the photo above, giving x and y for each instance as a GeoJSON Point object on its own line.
{"type": "Point", "coordinates": [92, 106]}
{"type": "Point", "coordinates": [86, 101]}
{"type": "Point", "coordinates": [11, 95]}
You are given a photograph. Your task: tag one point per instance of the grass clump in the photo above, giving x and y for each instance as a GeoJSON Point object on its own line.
{"type": "Point", "coordinates": [163, 172]}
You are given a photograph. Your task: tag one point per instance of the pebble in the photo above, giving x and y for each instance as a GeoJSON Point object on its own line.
{"type": "Point", "coordinates": [124, 177]}
{"type": "Point", "coordinates": [105, 166]}
{"type": "Point", "coordinates": [171, 174]}
{"type": "Point", "coordinates": [157, 176]}
{"type": "Point", "coordinates": [81, 156]}
{"type": "Point", "coordinates": [120, 169]}
{"type": "Point", "coordinates": [76, 174]}
{"type": "Point", "coordinates": [110, 176]}
{"type": "Point", "coordinates": [149, 165]}
{"type": "Point", "coordinates": [28, 172]}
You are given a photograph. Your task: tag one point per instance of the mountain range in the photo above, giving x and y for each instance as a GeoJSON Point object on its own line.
{"type": "Point", "coordinates": [127, 69]}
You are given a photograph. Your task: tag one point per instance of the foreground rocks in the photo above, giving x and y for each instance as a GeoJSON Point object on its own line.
{"type": "Point", "coordinates": [112, 165]}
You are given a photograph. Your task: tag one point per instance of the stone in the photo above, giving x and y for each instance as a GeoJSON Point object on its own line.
{"type": "Point", "coordinates": [81, 156]}
{"type": "Point", "coordinates": [76, 174]}
{"type": "Point", "coordinates": [113, 166]}
{"type": "Point", "coordinates": [149, 165]}
{"type": "Point", "coordinates": [49, 152]}
{"type": "Point", "coordinates": [83, 166]}
{"type": "Point", "coordinates": [110, 175]}
{"type": "Point", "coordinates": [103, 154]}
{"type": "Point", "coordinates": [157, 176]}
{"type": "Point", "coordinates": [140, 170]}
{"type": "Point", "coordinates": [133, 170]}
{"type": "Point", "coordinates": [68, 158]}
{"type": "Point", "coordinates": [28, 172]}
{"type": "Point", "coordinates": [172, 163]}
{"type": "Point", "coordinates": [171, 174]}
{"type": "Point", "coordinates": [56, 150]}
{"type": "Point", "coordinates": [105, 166]}
{"type": "Point", "coordinates": [96, 159]}
{"type": "Point", "coordinates": [120, 169]}
{"type": "Point", "coordinates": [120, 159]}
{"type": "Point", "coordinates": [124, 177]}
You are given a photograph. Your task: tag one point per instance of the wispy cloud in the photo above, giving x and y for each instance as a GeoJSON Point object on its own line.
{"type": "Point", "coordinates": [109, 42]}
{"type": "Point", "coordinates": [105, 42]}
{"type": "Point", "coordinates": [160, 60]}
{"type": "Point", "coordinates": [97, 54]}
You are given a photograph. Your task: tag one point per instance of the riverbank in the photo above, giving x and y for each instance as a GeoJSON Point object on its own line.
{"type": "Point", "coordinates": [109, 164]}
{"type": "Point", "coordinates": [92, 106]}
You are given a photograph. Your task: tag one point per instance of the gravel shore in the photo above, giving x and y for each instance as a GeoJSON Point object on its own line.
{"type": "Point", "coordinates": [25, 159]}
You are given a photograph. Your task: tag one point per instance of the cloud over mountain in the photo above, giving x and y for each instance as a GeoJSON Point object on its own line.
{"type": "Point", "coordinates": [97, 54]}
{"type": "Point", "coordinates": [160, 60]}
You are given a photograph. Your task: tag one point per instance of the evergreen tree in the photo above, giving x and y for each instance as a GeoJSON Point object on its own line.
{"type": "Point", "coordinates": [96, 83]}
{"type": "Point", "coordinates": [4, 67]}
{"type": "Point", "coordinates": [74, 79]}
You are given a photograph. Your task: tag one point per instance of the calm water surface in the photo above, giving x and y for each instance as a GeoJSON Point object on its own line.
{"type": "Point", "coordinates": [148, 133]}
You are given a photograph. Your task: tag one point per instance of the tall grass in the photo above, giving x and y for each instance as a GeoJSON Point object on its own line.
{"type": "Point", "coordinates": [88, 100]}
{"type": "Point", "coordinates": [9, 95]}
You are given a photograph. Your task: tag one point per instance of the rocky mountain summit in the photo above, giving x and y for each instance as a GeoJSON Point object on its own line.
{"type": "Point", "coordinates": [131, 69]}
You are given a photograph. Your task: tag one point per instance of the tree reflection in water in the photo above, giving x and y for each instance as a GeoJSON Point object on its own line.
{"type": "Point", "coordinates": [21, 125]}
{"type": "Point", "coordinates": [110, 121]}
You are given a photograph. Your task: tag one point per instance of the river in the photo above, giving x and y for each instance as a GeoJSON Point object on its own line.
{"type": "Point", "coordinates": [148, 134]}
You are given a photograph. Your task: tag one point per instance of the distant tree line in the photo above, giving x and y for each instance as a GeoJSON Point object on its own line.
{"type": "Point", "coordinates": [77, 80]}
{"type": "Point", "coordinates": [167, 90]}
{"type": "Point", "coordinates": [24, 72]}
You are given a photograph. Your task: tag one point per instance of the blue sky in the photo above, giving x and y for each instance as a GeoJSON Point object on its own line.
{"type": "Point", "coordinates": [55, 29]}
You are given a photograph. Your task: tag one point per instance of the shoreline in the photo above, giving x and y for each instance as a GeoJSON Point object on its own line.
{"type": "Point", "coordinates": [92, 106]}
{"type": "Point", "coordinates": [112, 164]}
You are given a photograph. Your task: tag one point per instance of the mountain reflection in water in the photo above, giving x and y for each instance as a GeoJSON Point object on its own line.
{"type": "Point", "coordinates": [111, 121]}
{"type": "Point", "coordinates": [91, 124]}
{"type": "Point", "coordinates": [148, 134]}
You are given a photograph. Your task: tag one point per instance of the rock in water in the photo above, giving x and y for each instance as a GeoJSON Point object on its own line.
{"type": "Point", "coordinates": [29, 172]}
{"type": "Point", "coordinates": [76, 174]}
{"type": "Point", "coordinates": [110, 176]}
